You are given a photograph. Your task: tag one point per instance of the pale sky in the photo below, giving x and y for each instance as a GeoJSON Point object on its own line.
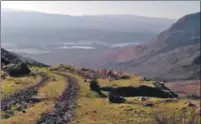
{"type": "Point", "coordinates": [161, 9]}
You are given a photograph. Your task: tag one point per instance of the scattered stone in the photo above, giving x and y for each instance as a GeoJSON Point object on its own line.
{"type": "Point", "coordinates": [125, 77]}
{"type": "Point", "coordinates": [64, 108]}
{"type": "Point", "coordinates": [54, 79]}
{"type": "Point", "coordinates": [190, 104]}
{"type": "Point", "coordinates": [142, 99]}
{"type": "Point", "coordinates": [168, 100]}
{"type": "Point", "coordinates": [129, 109]}
{"type": "Point", "coordinates": [17, 82]}
{"type": "Point", "coordinates": [21, 98]}
{"type": "Point", "coordinates": [36, 99]}
{"type": "Point", "coordinates": [148, 104]}
{"type": "Point", "coordinates": [198, 111]}
{"type": "Point", "coordinates": [115, 98]}
{"type": "Point", "coordinates": [87, 80]}
{"type": "Point", "coordinates": [9, 112]}
{"type": "Point", "coordinates": [19, 108]}
{"type": "Point", "coordinates": [5, 116]}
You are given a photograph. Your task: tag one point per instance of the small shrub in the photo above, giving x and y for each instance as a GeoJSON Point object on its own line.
{"type": "Point", "coordinates": [94, 86]}
{"type": "Point", "coordinates": [125, 77]}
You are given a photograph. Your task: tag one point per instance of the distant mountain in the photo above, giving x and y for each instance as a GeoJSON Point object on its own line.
{"type": "Point", "coordinates": [26, 26]}
{"type": "Point", "coordinates": [9, 57]}
{"type": "Point", "coordinates": [172, 55]}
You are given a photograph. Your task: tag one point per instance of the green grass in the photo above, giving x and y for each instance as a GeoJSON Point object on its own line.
{"type": "Point", "coordinates": [94, 110]}
{"type": "Point", "coordinates": [11, 85]}
{"type": "Point", "coordinates": [91, 109]}
{"type": "Point", "coordinates": [50, 92]}
{"type": "Point", "coordinates": [54, 88]}
{"type": "Point", "coordinates": [33, 113]}
{"type": "Point", "coordinates": [38, 69]}
{"type": "Point", "coordinates": [2, 73]}
{"type": "Point", "coordinates": [134, 81]}
{"type": "Point", "coordinates": [85, 91]}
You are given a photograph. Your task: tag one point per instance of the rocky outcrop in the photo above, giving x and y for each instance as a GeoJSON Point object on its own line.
{"type": "Point", "coordinates": [19, 69]}
{"type": "Point", "coordinates": [140, 91]}
{"type": "Point", "coordinates": [16, 65]}
{"type": "Point", "coordinates": [10, 57]}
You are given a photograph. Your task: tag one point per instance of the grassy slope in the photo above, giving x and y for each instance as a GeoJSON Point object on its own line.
{"type": "Point", "coordinates": [51, 91]}
{"type": "Point", "coordinates": [11, 85]}
{"type": "Point", "coordinates": [94, 110]}
{"type": "Point", "coordinates": [91, 109]}
{"type": "Point", "coordinates": [134, 81]}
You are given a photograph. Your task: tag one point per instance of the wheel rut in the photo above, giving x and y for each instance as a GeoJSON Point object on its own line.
{"type": "Point", "coordinates": [63, 113]}
{"type": "Point", "coordinates": [21, 99]}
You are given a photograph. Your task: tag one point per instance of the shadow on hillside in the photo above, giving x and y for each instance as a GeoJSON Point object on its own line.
{"type": "Point", "coordinates": [139, 91]}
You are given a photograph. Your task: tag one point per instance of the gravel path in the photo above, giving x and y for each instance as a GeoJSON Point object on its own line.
{"type": "Point", "coordinates": [21, 99]}
{"type": "Point", "coordinates": [66, 103]}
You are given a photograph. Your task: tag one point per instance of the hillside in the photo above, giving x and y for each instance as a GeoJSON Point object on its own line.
{"type": "Point", "coordinates": [123, 23]}
{"type": "Point", "coordinates": [172, 55]}
{"type": "Point", "coordinates": [63, 94]}
{"type": "Point", "coordinates": [49, 28]}
{"type": "Point", "coordinates": [14, 58]}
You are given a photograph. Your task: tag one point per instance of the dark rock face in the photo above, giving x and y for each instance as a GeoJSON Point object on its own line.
{"type": "Point", "coordinates": [18, 70]}
{"type": "Point", "coordinates": [94, 86]}
{"type": "Point", "coordinates": [4, 62]}
{"type": "Point", "coordinates": [140, 91]}
{"type": "Point", "coordinates": [196, 60]}
{"type": "Point", "coordinates": [9, 57]}
{"type": "Point", "coordinates": [16, 65]}
{"type": "Point", "coordinates": [113, 98]}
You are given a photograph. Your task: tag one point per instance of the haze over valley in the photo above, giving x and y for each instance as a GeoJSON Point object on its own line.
{"type": "Point", "coordinates": [74, 37]}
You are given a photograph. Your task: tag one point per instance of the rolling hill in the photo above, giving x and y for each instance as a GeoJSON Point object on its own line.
{"type": "Point", "coordinates": [10, 57]}
{"type": "Point", "coordinates": [46, 27]}
{"type": "Point", "coordinates": [172, 55]}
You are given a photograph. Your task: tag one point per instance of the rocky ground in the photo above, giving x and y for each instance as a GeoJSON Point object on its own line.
{"type": "Point", "coordinates": [19, 100]}
{"type": "Point", "coordinates": [64, 108]}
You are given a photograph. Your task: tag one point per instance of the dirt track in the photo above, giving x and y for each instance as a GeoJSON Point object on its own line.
{"type": "Point", "coordinates": [21, 98]}
{"type": "Point", "coordinates": [64, 108]}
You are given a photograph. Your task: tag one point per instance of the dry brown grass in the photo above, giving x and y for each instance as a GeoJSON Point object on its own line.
{"type": "Point", "coordinates": [50, 92]}
{"type": "Point", "coordinates": [92, 109]}
{"type": "Point", "coordinates": [11, 85]}
{"type": "Point", "coordinates": [176, 117]}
